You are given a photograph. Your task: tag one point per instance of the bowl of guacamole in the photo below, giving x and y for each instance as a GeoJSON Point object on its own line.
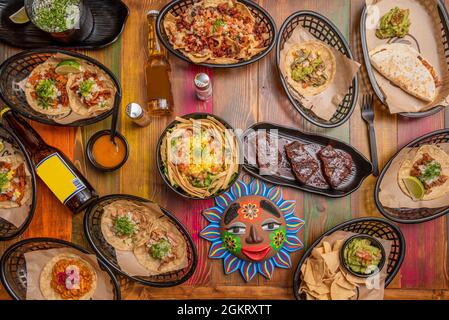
{"type": "Point", "coordinates": [362, 255]}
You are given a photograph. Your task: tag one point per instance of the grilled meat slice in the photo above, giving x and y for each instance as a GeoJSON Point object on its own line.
{"type": "Point", "coordinates": [336, 164]}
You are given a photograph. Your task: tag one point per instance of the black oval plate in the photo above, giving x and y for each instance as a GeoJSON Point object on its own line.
{"type": "Point", "coordinates": [362, 168]}
{"type": "Point", "coordinates": [379, 228]}
{"type": "Point", "coordinates": [8, 230]}
{"type": "Point", "coordinates": [92, 229]}
{"type": "Point", "coordinates": [322, 29]}
{"type": "Point", "coordinates": [406, 215]}
{"type": "Point", "coordinates": [258, 12]}
{"type": "Point", "coordinates": [13, 272]}
{"type": "Point", "coordinates": [444, 29]}
{"type": "Point", "coordinates": [109, 21]}
{"type": "Point", "coordinates": [160, 166]}
{"type": "Point", "coordinates": [19, 66]}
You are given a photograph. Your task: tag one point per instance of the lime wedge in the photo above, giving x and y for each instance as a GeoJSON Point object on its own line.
{"type": "Point", "coordinates": [415, 187]}
{"type": "Point", "coordinates": [68, 66]}
{"type": "Point", "coordinates": [20, 17]}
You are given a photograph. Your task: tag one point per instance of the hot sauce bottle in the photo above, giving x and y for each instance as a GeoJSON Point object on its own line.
{"type": "Point", "coordinates": [157, 72]}
{"type": "Point", "coordinates": [52, 166]}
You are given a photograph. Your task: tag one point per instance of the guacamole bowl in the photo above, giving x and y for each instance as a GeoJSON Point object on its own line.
{"type": "Point", "coordinates": [362, 255]}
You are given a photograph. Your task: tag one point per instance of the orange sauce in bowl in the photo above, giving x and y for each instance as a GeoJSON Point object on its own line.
{"type": "Point", "coordinates": [106, 154]}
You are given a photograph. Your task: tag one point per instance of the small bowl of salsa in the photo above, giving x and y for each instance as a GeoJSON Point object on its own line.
{"type": "Point", "coordinates": [106, 155]}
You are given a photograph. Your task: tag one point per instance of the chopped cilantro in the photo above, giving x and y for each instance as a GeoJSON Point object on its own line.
{"type": "Point", "coordinates": [124, 226]}
{"type": "Point", "coordinates": [85, 87]}
{"type": "Point", "coordinates": [218, 23]}
{"type": "Point", "coordinates": [3, 180]}
{"type": "Point", "coordinates": [46, 92]}
{"type": "Point", "coordinates": [160, 250]}
{"type": "Point", "coordinates": [432, 171]}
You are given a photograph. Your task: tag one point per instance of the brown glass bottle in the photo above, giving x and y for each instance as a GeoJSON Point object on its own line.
{"type": "Point", "coordinates": [52, 166]}
{"type": "Point", "coordinates": [157, 73]}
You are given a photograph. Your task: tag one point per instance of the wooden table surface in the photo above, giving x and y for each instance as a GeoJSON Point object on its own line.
{"type": "Point", "coordinates": [242, 97]}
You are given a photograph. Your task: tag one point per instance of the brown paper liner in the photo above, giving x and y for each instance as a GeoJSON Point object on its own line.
{"type": "Point", "coordinates": [16, 216]}
{"type": "Point", "coordinates": [36, 261]}
{"type": "Point", "coordinates": [377, 292]}
{"type": "Point", "coordinates": [325, 104]}
{"type": "Point", "coordinates": [391, 195]}
{"type": "Point", "coordinates": [424, 35]}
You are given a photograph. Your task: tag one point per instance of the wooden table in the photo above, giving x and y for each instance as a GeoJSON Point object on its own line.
{"type": "Point", "coordinates": [242, 97]}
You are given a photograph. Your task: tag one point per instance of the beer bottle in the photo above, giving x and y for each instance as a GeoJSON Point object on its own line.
{"type": "Point", "coordinates": [52, 166]}
{"type": "Point", "coordinates": [157, 72]}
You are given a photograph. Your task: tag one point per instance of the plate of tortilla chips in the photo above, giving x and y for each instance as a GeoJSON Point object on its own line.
{"type": "Point", "coordinates": [216, 33]}
{"type": "Point", "coordinates": [320, 274]}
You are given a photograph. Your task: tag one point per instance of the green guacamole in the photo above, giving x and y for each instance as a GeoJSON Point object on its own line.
{"type": "Point", "coordinates": [396, 23]}
{"type": "Point", "coordinates": [309, 69]}
{"type": "Point", "coordinates": [361, 256]}
{"type": "Point", "coordinates": [160, 250]}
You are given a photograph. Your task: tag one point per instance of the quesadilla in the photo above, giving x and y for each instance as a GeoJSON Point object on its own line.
{"type": "Point", "coordinates": [407, 69]}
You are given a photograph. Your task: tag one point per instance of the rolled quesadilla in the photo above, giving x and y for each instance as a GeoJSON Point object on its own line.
{"type": "Point", "coordinates": [407, 69]}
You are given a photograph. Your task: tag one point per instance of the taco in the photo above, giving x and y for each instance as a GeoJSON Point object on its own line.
{"type": "Point", "coordinates": [165, 249]}
{"type": "Point", "coordinates": [310, 68]}
{"type": "Point", "coordinates": [431, 167]}
{"type": "Point", "coordinates": [68, 277]}
{"type": "Point", "coordinates": [125, 224]}
{"type": "Point", "coordinates": [90, 91]}
{"type": "Point", "coordinates": [15, 182]}
{"type": "Point", "coordinates": [46, 91]}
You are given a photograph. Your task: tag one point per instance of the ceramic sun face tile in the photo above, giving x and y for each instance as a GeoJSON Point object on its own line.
{"type": "Point", "coordinates": [253, 229]}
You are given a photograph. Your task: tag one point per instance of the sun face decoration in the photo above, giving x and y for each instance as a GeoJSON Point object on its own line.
{"type": "Point", "coordinates": [253, 229]}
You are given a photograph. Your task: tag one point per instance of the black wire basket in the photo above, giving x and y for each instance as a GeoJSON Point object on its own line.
{"type": "Point", "coordinates": [92, 228]}
{"type": "Point", "coordinates": [444, 25]}
{"type": "Point", "coordinates": [8, 230]}
{"type": "Point", "coordinates": [379, 228]}
{"type": "Point", "coordinates": [13, 271]}
{"type": "Point", "coordinates": [19, 66]}
{"type": "Point", "coordinates": [409, 215]}
{"type": "Point", "coordinates": [322, 29]}
{"type": "Point", "coordinates": [260, 14]}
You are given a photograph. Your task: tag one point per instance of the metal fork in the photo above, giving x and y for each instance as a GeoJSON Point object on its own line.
{"type": "Point", "coordinates": [368, 116]}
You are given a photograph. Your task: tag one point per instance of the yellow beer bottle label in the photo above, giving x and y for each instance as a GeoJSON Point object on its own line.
{"type": "Point", "coordinates": [59, 178]}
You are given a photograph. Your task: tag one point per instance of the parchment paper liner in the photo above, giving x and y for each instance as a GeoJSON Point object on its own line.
{"type": "Point", "coordinates": [377, 292]}
{"type": "Point", "coordinates": [391, 195]}
{"type": "Point", "coordinates": [36, 261]}
{"type": "Point", "coordinates": [426, 29]}
{"type": "Point", "coordinates": [16, 216]}
{"type": "Point", "coordinates": [325, 104]}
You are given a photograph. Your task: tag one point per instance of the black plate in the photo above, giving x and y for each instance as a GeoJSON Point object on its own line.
{"type": "Point", "coordinates": [406, 215]}
{"type": "Point", "coordinates": [109, 21]}
{"type": "Point", "coordinates": [19, 66]}
{"type": "Point", "coordinates": [13, 272]}
{"type": "Point", "coordinates": [362, 168]}
{"type": "Point", "coordinates": [261, 15]}
{"type": "Point", "coordinates": [379, 228]}
{"type": "Point", "coordinates": [444, 20]}
{"type": "Point", "coordinates": [92, 229]}
{"type": "Point", "coordinates": [322, 29]}
{"type": "Point", "coordinates": [7, 229]}
{"type": "Point", "coordinates": [160, 166]}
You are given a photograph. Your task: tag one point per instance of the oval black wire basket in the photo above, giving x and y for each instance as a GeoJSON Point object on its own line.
{"type": "Point", "coordinates": [409, 215]}
{"type": "Point", "coordinates": [160, 165]}
{"type": "Point", "coordinates": [13, 271]}
{"type": "Point", "coordinates": [444, 24]}
{"type": "Point", "coordinates": [8, 230]}
{"type": "Point", "coordinates": [18, 67]}
{"type": "Point", "coordinates": [376, 227]}
{"type": "Point", "coordinates": [322, 29]}
{"type": "Point", "coordinates": [92, 228]}
{"type": "Point", "coordinates": [260, 14]}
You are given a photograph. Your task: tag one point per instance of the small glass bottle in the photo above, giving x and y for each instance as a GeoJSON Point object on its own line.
{"type": "Point", "coordinates": [203, 86]}
{"type": "Point", "coordinates": [137, 114]}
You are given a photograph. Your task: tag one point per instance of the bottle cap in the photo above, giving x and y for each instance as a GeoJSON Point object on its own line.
{"type": "Point", "coordinates": [202, 80]}
{"type": "Point", "coordinates": [134, 110]}
{"type": "Point", "coordinates": [153, 12]}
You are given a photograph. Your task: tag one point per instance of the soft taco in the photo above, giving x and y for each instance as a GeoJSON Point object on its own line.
{"type": "Point", "coordinates": [15, 182]}
{"type": "Point", "coordinates": [46, 91]}
{"type": "Point", "coordinates": [164, 251]}
{"type": "Point", "coordinates": [125, 224]}
{"type": "Point", "coordinates": [310, 67]}
{"type": "Point", "coordinates": [430, 166]}
{"type": "Point", "coordinates": [68, 277]}
{"type": "Point", "coordinates": [90, 91]}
